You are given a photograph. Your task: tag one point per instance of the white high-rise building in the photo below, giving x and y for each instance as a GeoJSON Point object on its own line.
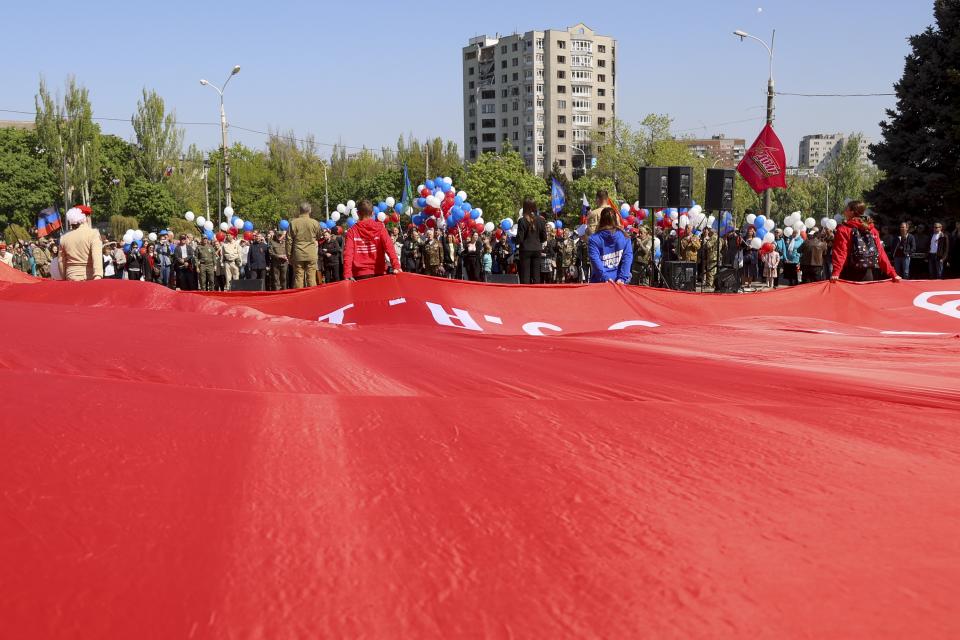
{"type": "Point", "coordinates": [543, 92]}
{"type": "Point", "coordinates": [819, 149]}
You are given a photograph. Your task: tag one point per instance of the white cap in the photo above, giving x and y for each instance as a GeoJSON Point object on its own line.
{"type": "Point", "coordinates": [75, 216]}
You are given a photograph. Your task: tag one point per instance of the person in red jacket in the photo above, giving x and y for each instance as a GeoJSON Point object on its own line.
{"type": "Point", "coordinates": [366, 246]}
{"type": "Point", "coordinates": [858, 254]}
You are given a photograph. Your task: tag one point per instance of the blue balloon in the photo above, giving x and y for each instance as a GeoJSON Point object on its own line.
{"type": "Point", "coordinates": [430, 184]}
{"type": "Point", "coordinates": [759, 222]}
{"type": "Point", "coordinates": [164, 232]}
{"type": "Point", "coordinates": [248, 226]}
{"type": "Point", "coordinates": [450, 188]}
{"type": "Point", "coordinates": [457, 217]}
{"type": "Point", "coordinates": [421, 202]}
{"type": "Point", "coordinates": [457, 200]}
{"type": "Point", "coordinates": [474, 214]}
{"type": "Point", "coordinates": [208, 234]}
{"type": "Point", "coordinates": [466, 207]}
{"type": "Point", "coordinates": [350, 222]}
{"type": "Point", "coordinates": [506, 224]}
{"type": "Point", "coordinates": [330, 224]}
{"type": "Point", "coordinates": [126, 247]}
{"type": "Point", "coordinates": [398, 208]}
{"type": "Point", "coordinates": [233, 221]}
{"type": "Point", "coordinates": [382, 206]}
{"type": "Point", "coordinates": [558, 224]}
{"type": "Point", "coordinates": [696, 232]}
{"type": "Point", "coordinates": [439, 182]}
{"type": "Point", "coordinates": [284, 225]}
{"type": "Point", "coordinates": [684, 210]}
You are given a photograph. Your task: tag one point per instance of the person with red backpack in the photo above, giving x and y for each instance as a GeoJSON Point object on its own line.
{"type": "Point", "coordinates": [367, 246]}
{"type": "Point", "coordinates": [858, 254]}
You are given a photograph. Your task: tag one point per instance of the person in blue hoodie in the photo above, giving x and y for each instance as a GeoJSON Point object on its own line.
{"type": "Point", "coordinates": [611, 252]}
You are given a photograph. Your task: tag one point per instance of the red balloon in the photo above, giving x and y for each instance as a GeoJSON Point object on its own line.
{"type": "Point", "coordinates": [498, 232]}
{"type": "Point", "coordinates": [338, 230]}
{"type": "Point", "coordinates": [631, 219]}
{"type": "Point", "coordinates": [248, 236]}
{"type": "Point", "coordinates": [431, 222]}
{"type": "Point", "coordinates": [478, 227]}
{"type": "Point", "coordinates": [446, 205]}
{"type": "Point", "coordinates": [233, 232]}
{"type": "Point", "coordinates": [221, 236]}
{"type": "Point", "coordinates": [422, 228]}
{"type": "Point", "coordinates": [642, 215]}
{"type": "Point", "coordinates": [394, 217]}
{"type": "Point", "coordinates": [425, 192]}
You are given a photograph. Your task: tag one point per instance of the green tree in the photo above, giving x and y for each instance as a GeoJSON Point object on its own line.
{"type": "Point", "coordinates": [498, 183]}
{"type": "Point", "coordinates": [69, 138]}
{"type": "Point", "coordinates": [158, 139]}
{"type": "Point", "coordinates": [118, 225]}
{"type": "Point", "coordinates": [116, 172]}
{"type": "Point", "coordinates": [918, 152]}
{"type": "Point", "coordinates": [27, 184]}
{"type": "Point", "coordinates": [151, 203]}
{"type": "Point", "coordinates": [849, 177]}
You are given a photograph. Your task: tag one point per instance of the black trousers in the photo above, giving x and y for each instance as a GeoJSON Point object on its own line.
{"type": "Point", "coordinates": [331, 272]}
{"type": "Point", "coordinates": [790, 274]}
{"type": "Point", "coordinates": [473, 270]}
{"type": "Point", "coordinates": [811, 273]}
{"type": "Point", "coordinates": [530, 267]}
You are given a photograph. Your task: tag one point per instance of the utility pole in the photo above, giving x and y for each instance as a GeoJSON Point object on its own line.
{"type": "Point", "coordinates": [223, 133]}
{"type": "Point", "coordinates": [770, 93]}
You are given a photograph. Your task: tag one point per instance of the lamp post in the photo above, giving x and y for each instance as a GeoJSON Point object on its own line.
{"type": "Point", "coordinates": [223, 133]}
{"type": "Point", "coordinates": [742, 35]}
{"type": "Point", "coordinates": [326, 193]}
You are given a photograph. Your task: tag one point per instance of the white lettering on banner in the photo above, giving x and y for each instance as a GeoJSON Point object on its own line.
{"type": "Point", "coordinates": [536, 328]}
{"type": "Point", "coordinates": [441, 317]}
{"type": "Point", "coordinates": [626, 324]}
{"type": "Point", "coordinates": [336, 317]}
{"type": "Point", "coordinates": [950, 308]}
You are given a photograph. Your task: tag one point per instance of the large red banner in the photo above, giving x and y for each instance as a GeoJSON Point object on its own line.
{"type": "Point", "coordinates": [595, 461]}
{"type": "Point", "coordinates": [764, 165]}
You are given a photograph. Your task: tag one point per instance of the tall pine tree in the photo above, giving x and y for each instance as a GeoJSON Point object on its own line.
{"type": "Point", "coordinates": [920, 150]}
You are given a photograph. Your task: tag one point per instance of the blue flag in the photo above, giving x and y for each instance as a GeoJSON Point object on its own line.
{"type": "Point", "coordinates": [407, 197]}
{"type": "Point", "coordinates": [557, 197]}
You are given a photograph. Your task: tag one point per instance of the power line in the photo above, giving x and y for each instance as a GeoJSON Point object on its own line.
{"type": "Point", "coordinates": [720, 124]}
{"type": "Point", "coordinates": [834, 95]}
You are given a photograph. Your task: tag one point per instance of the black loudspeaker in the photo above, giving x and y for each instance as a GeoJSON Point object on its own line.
{"type": "Point", "coordinates": [503, 278]}
{"type": "Point", "coordinates": [681, 276]}
{"type": "Point", "coordinates": [719, 190]}
{"type": "Point", "coordinates": [680, 187]}
{"type": "Point", "coordinates": [251, 284]}
{"type": "Point", "coordinates": [728, 280]}
{"type": "Point", "coordinates": [653, 187]}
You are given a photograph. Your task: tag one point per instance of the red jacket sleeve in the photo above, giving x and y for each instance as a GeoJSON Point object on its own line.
{"type": "Point", "coordinates": [348, 255]}
{"type": "Point", "coordinates": [884, 259]}
{"type": "Point", "coordinates": [388, 245]}
{"type": "Point", "coordinates": [841, 246]}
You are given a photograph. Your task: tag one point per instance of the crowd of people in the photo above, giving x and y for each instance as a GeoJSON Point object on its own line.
{"type": "Point", "coordinates": [537, 251]}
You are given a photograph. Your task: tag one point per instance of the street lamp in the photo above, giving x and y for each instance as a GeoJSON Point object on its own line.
{"type": "Point", "coordinates": [826, 200]}
{"type": "Point", "coordinates": [583, 167]}
{"type": "Point", "coordinates": [223, 132]}
{"type": "Point", "coordinates": [743, 35]}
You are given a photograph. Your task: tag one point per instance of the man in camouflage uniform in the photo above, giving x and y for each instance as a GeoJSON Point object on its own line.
{"type": "Point", "coordinates": [278, 261]}
{"type": "Point", "coordinates": [641, 258]}
{"type": "Point", "coordinates": [567, 262]}
{"type": "Point", "coordinates": [709, 252]}
{"type": "Point", "coordinates": [432, 255]}
{"type": "Point", "coordinates": [42, 259]}
{"type": "Point", "coordinates": [689, 246]}
{"type": "Point", "coordinates": [206, 264]}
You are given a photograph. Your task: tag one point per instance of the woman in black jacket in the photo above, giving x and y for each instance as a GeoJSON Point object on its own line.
{"type": "Point", "coordinates": [531, 234]}
{"type": "Point", "coordinates": [470, 256]}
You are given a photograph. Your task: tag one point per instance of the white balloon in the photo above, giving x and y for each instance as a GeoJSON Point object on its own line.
{"type": "Point", "coordinates": [479, 220]}
{"type": "Point", "coordinates": [769, 225]}
{"type": "Point", "coordinates": [756, 243]}
{"type": "Point", "coordinates": [432, 201]}
{"type": "Point", "coordinates": [228, 212]}
{"type": "Point", "coordinates": [463, 195]}
{"type": "Point", "coordinates": [353, 214]}
{"type": "Point", "coordinates": [409, 211]}
{"type": "Point", "coordinates": [128, 237]}
{"type": "Point", "coordinates": [208, 226]}
{"type": "Point", "coordinates": [488, 227]}
{"type": "Point", "coordinates": [421, 187]}
{"type": "Point", "coordinates": [684, 221]}
{"type": "Point", "coordinates": [238, 224]}
{"type": "Point", "coordinates": [656, 243]}
{"type": "Point", "coordinates": [391, 201]}
{"type": "Point", "coordinates": [335, 216]}
{"type": "Point", "coordinates": [351, 204]}
{"type": "Point", "coordinates": [448, 180]}
{"type": "Point", "coordinates": [823, 221]}
{"type": "Point", "coordinates": [138, 234]}
{"type": "Point", "coordinates": [152, 237]}
{"type": "Point", "coordinates": [809, 223]}
{"type": "Point", "coordinates": [200, 221]}
{"type": "Point", "coordinates": [341, 208]}
{"type": "Point", "coordinates": [582, 230]}
{"type": "Point", "coordinates": [769, 238]}
{"type": "Point", "coordinates": [831, 224]}
{"type": "Point", "coordinates": [711, 220]}
{"type": "Point", "coordinates": [381, 216]}
{"type": "Point", "coordinates": [751, 218]}
{"type": "Point", "coordinates": [224, 226]}
{"type": "Point", "coordinates": [512, 231]}
{"type": "Point", "coordinates": [788, 231]}
{"type": "Point", "coordinates": [188, 216]}
{"type": "Point", "coordinates": [798, 226]}
{"type": "Point", "coordinates": [695, 210]}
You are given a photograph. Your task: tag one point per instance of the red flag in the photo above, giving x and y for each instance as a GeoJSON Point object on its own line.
{"type": "Point", "coordinates": [764, 165]}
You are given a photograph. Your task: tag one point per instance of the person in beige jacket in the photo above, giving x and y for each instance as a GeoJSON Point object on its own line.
{"type": "Point", "coordinates": [593, 218]}
{"type": "Point", "coordinates": [230, 250]}
{"type": "Point", "coordinates": [81, 248]}
{"type": "Point", "coordinates": [302, 239]}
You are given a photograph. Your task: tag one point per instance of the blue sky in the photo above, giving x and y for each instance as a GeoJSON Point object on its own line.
{"type": "Point", "coordinates": [363, 73]}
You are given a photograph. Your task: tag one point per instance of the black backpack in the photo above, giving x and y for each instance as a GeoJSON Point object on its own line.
{"type": "Point", "coordinates": [863, 250]}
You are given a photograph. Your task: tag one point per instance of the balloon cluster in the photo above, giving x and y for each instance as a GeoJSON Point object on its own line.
{"type": "Point", "coordinates": [444, 207]}
{"type": "Point", "coordinates": [134, 238]}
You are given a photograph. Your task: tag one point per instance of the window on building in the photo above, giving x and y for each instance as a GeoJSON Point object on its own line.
{"type": "Point", "coordinates": [490, 149]}
{"type": "Point", "coordinates": [581, 45]}
{"type": "Point", "coordinates": [561, 148]}
{"type": "Point", "coordinates": [581, 90]}
{"type": "Point", "coordinates": [580, 134]}
{"type": "Point", "coordinates": [503, 93]}
{"type": "Point", "coordinates": [489, 137]}
{"type": "Point", "coordinates": [515, 91]}
{"type": "Point", "coordinates": [539, 103]}
{"type": "Point", "coordinates": [472, 98]}
{"type": "Point", "coordinates": [561, 119]}
{"type": "Point", "coordinates": [503, 49]}
{"type": "Point", "coordinates": [561, 60]}
{"type": "Point", "coordinates": [540, 89]}
{"type": "Point", "coordinates": [503, 122]}
{"type": "Point", "coordinates": [601, 78]}
{"type": "Point", "coordinates": [470, 71]}
{"type": "Point", "coordinates": [540, 149]}
{"type": "Point", "coordinates": [503, 64]}
{"type": "Point", "coordinates": [473, 126]}
{"type": "Point", "coordinates": [562, 162]}
{"type": "Point", "coordinates": [561, 104]}
{"type": "Point", "coordinates": [561, 75]}
{"type": "Point", "coordinates": [581, 74]}
{"type": "Point", "coordinates": [580, 118]}
{"type": "Point", "coordinates": [539, 117]}
{"type": "Point", "coordinates": [514, 46]}
{"type": "Point", "coordinates": [471, 85]}
{"type": "Point", "coordinates": [601, 93]}
{"type": "Point", "coordinates": [516, 77]}
{"type": "Point", "coordinates": [516, 135]}
{"type": "Point", "coordinates": [488, 94]}
{"type": "Point", "coordinates": [540, 44]}
{"type": "Point", "coordinates": [515, 63]}
{"type": "Point", "coordinates": [539, 74]}
{"type": "Point", "coordinates": [561, 133]}
{"type": "Point", "coordinates": [503, 108]}
{"type": "Point", "coordinates": [472, 112]}
{"type": "Point", "coordinates": [581, 105]}
{"type": "Point", "coordinates": [503, 79]}
{"type": "Point", "coordinates": [601, 63]}
{"type": "Point", "coordinates": [601, 122]}
{"type": "Point", "coordinates": [516, 121]}
{"type": "Point", "coordinates": [488, 108]}
{"type": "Point", "coordinates": [529, 105]}
{"type": "Point", "coordinates": [561, 89]}
{"type": "Point", "coordinates": [601, 106]}
{"type": "Point", "coordinates": [516, 105]}
{"type": "Point", "coordinates": [539, 58]}
{"type": "Point", "coordinates": [561, 44]}
{"type": "Point", "coordinates": [601, 48]}
{"type": "Point", "coordinates": [470, 55]}
{"type": "Point", "coordinates": [488, 123]}
{"type": "Point", "coordinates": [473, 153]}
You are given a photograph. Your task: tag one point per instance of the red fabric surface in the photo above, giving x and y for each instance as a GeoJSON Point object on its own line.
{"type": "Point", "coordinates": [764, 164]}
{"type": "Point", "coordinates": [225, 466]}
